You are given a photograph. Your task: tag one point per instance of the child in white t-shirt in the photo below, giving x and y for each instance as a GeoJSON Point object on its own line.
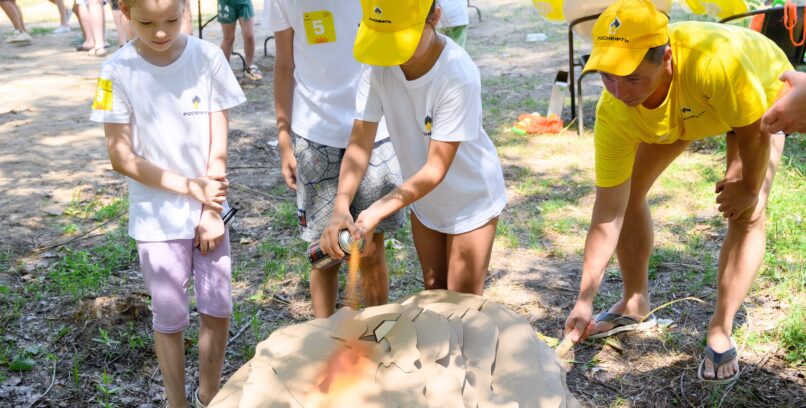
{"type": "Point", "coordinates": [429, 92]}
{"type": "Point", "coordinates": [315, 84]}
{"type": "Point", "coordinates": [163, 99]}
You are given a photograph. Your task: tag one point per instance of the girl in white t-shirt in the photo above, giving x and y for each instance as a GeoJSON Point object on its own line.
{"type": "Point", "coordinates": [163, 99]}
{"type": "Point", "coordinates": [429, 91]}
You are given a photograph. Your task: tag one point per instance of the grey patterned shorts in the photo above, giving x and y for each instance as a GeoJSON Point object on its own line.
{"type": "Point", "coordinates": [318, 168]}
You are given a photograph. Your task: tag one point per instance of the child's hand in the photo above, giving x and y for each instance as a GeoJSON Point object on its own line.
{"type": "Point", "coordinates": [329, 242]}
{"type": "Point", "coordinates": [210, 190]}
{"type": "Point", "coordinates": [210, 231]}
{"type": "Point", "coordinates": [367, 222]}
{"type": "Point", "coordinates": [289, 169]}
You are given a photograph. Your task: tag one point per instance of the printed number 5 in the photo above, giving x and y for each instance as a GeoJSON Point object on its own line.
{"type": "Point", "coordinates": [318, 28]}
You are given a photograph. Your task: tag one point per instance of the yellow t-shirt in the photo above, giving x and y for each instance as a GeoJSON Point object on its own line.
{"type": "Point", "coordinates": [723, 77]}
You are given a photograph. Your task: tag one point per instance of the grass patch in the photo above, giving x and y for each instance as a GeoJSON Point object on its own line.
{"type": "Point", "coordinates": [80, 272]}
{"type": "Point", "coordinates": [279, 258]}
{"type": "Point", "coordinates": [793, 336]}
{"type": "Point", "coordinates": [111, 210]}
{"type": "Point", "coordinates": [39, 31]}
{"type": "Point", "coordinates": [286, 215]}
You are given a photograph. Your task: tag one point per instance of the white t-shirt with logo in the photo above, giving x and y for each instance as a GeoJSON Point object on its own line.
{"type": "Point", "coordinates": [325, 71]}
{"type": "Point", "coordinates": [168, 109]}
{"type": "Point", "coordinates": [445, 105]}
{"type": "Point", "coordinates": [454, 13]}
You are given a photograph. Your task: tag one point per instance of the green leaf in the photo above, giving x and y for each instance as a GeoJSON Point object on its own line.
{"type": "Point", "coordinates": [22, 364]}
{"type": "Point", "coordinates": [33, 350]}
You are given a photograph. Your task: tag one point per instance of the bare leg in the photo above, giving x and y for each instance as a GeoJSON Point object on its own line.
{"type": "Point", "coordinates": [228, 31]}
{"type": "Point", "coordinates": [96, 14]}
{"type": "Point", "coordinates": [374, 273]}
{"type": "Point", "coordinates": [83, 14]}
{"type": "Point", "coordinates": [213, 335]}
{"type": "Point", "coordinates": [62, 11]}
{"type": "Point", "coordinates": [740, 257]}
{"type": "Point", "coordinates": [636, 239]}
{"type": "Point", "coordinates": [324, 288]}
{"type": "Point", "coordinates": [14, 14]}
{"type": "Point", "coordinates": [248, 33]}
{"type": "Point", "coordinates": [432, 250]}
{"type": "Point", "coordinates": [469, 258]}
{"type": "Point", "coordinates": [170, 350]}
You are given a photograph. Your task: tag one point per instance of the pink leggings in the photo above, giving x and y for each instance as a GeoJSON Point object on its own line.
{"type": "Point", "coordinates": [167, 267]}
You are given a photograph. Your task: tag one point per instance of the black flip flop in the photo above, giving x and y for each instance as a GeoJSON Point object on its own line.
{"type": "Point", "coordinates": [718, 359]}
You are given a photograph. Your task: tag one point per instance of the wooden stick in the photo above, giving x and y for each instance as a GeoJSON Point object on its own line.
{"type": "Point", "coordinates": [52, 381]}
{"type": "Point", "coordinates": [564, 346]}
{"type": "Point", "coordinates": [243, 328]}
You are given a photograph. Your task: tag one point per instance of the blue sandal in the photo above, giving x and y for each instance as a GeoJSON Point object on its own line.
{"type": "Point", "coordinates": [719, 360]}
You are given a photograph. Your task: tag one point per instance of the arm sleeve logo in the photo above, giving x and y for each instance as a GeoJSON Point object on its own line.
{"type": "Point", "coordinates": [103, 95]}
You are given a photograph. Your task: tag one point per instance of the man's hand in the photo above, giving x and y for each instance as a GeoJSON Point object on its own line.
{"type": "Point", "coordinates": [210, 231]}
{"type": "Point", "coordinates": [734, 198]}
{"type": "Point", "coordinates": [209, 190]}
{"type": "Point", "coordinates": [329, 242]}
{"type": "Point", "coordinates": [788, 114]}
{"type": "Point", "coordinates": [579, 323]}
{"type": "Point", "coordinates": [289, 169]}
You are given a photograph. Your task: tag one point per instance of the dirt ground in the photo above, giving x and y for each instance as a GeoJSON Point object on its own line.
{"type": "Point", "coordinates": [52, 156]}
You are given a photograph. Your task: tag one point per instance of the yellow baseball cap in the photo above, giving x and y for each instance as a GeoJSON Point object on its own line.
{"type": "Point", "coordinates": [623, 34]}
{"type": "Point", "coordinates": [390, 30]}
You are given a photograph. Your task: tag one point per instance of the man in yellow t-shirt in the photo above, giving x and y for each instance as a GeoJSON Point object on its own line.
{"type": "Point", "coordinates": [666, 85]}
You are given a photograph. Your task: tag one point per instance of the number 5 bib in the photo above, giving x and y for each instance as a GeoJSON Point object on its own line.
{"type": "Point", "coordinates": [319, 27]}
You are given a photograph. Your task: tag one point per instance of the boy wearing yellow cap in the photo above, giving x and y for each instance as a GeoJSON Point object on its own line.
{"type": "Point", "coordinates": [429, 91]}
{"type": "Point", "coordinates": [667, 85]}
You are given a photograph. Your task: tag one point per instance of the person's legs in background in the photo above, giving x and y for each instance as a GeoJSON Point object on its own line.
{"type": "Point", "coordinates": [227, 16]}
{"type": "Point", "coordinates": [248, 33]}
{"type": "Point", "coordinates": [21, 36]}
{"type": "Point", "coordinates": [97, 22]}
{"type": "Point", "coordinates": [228, 39]}
{"type": "Point", "coordinates": [121, 23]}
{"type": "Point", "coordinates": [83, 14]}
{"type": "Point", "coordinates": [64, 16]}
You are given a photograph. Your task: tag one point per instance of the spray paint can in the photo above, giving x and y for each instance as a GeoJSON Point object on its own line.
{"type": "Point", "coordinates": [320, 260]}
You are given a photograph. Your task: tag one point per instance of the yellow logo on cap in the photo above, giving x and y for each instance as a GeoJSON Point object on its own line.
{"type": "Point", "coordinates": [103, 95]}
{"type": "Point", "coordinates": [196, 101]}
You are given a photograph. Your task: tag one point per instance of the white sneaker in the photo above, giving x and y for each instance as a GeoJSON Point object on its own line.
{"type": "Point", "coordinates": [19, 38]}
{"type": "Point", "coordinates": [61, 30]}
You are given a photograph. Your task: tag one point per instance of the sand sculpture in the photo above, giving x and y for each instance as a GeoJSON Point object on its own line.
{"type": "Point", "coordinates": [433, 349]}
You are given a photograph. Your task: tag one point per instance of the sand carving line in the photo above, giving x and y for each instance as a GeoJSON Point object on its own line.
{"type": "Point", "coordinates": [433, 349]}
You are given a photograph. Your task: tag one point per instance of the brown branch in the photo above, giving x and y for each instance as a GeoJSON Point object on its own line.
{"type": "Point", "coordinates": [52, 381]}
{"type": "Point", "coordinates": [245, 325]}
{"type": "Point", "coordinates": [253, 191]}
{"type": "Point", "coordinates": [80, 237]}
